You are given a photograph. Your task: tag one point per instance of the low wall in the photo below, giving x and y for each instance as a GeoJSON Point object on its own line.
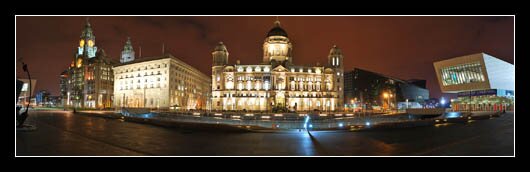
{"type": "Point", "coordinates": [433, 111]}
{"type": "Point", "coordinates": [134, 111]}
{"type": "Point", "coordinates": [190, 125]}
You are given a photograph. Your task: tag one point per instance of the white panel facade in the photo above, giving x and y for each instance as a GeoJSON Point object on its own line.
{"type": "Point", "coordinates": [501, 74]}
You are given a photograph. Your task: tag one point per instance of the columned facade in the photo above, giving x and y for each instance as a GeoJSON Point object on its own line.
{"type": "Point", "coordinates": [277, 84]}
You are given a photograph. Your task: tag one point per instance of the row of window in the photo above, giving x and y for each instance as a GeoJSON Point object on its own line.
{"type": "Point", "coordinates": [138, 75]}
{"type": "Point", "coordinates": [140, 68]}
{"type": "Point", "coordinates": [267, 69]}
{"type": "Point", "coordinates": [138, 86]}
{"type": "Point", "coordinates": [314, 95]}
{"type": "Point", "coordinates": [138, 81]}
{"type": "Point", "coordinates": [462, 74]}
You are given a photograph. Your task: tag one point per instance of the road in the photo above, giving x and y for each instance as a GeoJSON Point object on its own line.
{"type": "Point", "coordinates": [65, 134]}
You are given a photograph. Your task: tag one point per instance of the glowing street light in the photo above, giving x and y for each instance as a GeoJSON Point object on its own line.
{"type": "Point", "coordinates": [386, 96]}
{"type": "Point", "coordinates": [306, 121]}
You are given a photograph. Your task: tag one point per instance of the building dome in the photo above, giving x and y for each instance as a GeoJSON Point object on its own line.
{"type": "Point", "coordinates": [277, 30]}
{"type": "Point", "coordinates": [335, 50]}
{"type": "Point", "coordinates": [220, 47]}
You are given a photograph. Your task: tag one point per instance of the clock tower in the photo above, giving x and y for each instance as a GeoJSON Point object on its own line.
{"type": "Point", "coordinates": [90, 77]}
{"type": "Point", "coordinates": [87, 42]}
{"type": "Point", "coordinates": [127, 54]}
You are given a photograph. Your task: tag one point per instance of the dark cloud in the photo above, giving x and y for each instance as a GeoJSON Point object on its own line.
{"type": "Point", "coordinates": [152, 21]}
{"type": "Point", "coordinates": [201, 28]}
{"type": "Point", "coordinates": [119, 31]}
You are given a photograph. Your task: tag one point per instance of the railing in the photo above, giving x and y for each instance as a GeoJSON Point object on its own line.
{"type": "Point", "coordinates": [274, 121]}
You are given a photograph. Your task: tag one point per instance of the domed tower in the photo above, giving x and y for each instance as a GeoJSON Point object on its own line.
{"type": "Point", "coordinates": [220, 60]}
{"type": "Point", "coordinates": [87, 42]}
{"type": "Point", "coordinates": [220, 55]}
{"type": "Point", "coordinates": [277, 45]}
{"type": "Point", "coordinates": [335, 58]}
{"type": "Point", "coordinates": [127, 54]}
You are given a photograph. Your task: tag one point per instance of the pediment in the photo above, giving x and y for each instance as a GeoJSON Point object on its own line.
{"type": "Point", "coordinates": [280, 68]}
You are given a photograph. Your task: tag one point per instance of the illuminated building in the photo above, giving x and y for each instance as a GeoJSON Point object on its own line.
{"type": "Point", "coordinates": [163, 82]}
{"type": "Point", "coordinates": [89, 77]}
{"type": "Point", "coordinates": [63, 86]}
{"type": "Point", "coordinates": [42, 97]}
{"type": "Point", "coordinates": [277, 84]}
{"type": "Point", "coordinates": [481, 81]}
{"type": "Point", "coordinates": [127, 54]}
{"type": "Point", "coordinates": [366, 89]}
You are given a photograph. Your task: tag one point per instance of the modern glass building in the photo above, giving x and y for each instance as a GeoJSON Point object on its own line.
{"type": "Point", "coordinates": [481, 82]}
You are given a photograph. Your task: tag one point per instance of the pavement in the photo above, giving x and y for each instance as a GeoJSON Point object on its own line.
{"type": "Point", "coordinates": [61, 133]}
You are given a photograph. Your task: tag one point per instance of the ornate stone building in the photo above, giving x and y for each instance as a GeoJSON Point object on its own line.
{"type": "Point", "coordinates": [277, 84]}
{"type": "Point", "coordinates": [89, 78]}
{"type": "Point", "coordinates": [163, 82]}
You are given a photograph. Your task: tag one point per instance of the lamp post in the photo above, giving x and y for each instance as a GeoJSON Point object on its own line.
{"type": "Point", "coordinates": [391, 96]}
{"type": "Point", "coordinates": [351, 101]}
{"type": "Point", "coordinates": [385, 96]}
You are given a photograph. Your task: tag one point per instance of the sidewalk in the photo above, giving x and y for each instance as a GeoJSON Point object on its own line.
{"type": "Point", "coordinates": [49, 140]}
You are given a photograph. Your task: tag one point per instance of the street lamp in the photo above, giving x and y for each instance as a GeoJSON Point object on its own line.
{"type": "Point", "coordinates": [391, 95]}
{"type": "Point", "coordinates": [385, 95]}
{"type": "Point", "coordinates": [352, 105]}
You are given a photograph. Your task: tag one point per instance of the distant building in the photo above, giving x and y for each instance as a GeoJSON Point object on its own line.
{"type": "Point", "coordinates": [63, 87]}
{"type": "Point", "coordinates": [42, 97]}
{"type": "Point", "coordinates": [370, 90]}
{"type": "Point", "coordinates": [418, 82]}
{"type": "Point", "coordinates": [481, 81]}
{"type": "Point", "coordinates": [163, 82]}
{"type": "Point", "coordinates": [89, 78]}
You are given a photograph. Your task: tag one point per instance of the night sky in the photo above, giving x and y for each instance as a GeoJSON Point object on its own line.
{"type": "Point", "coordinates": [403, 47]}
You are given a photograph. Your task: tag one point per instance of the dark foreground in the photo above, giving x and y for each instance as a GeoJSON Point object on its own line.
{"type": "Point", "coordinates": [65, 134]}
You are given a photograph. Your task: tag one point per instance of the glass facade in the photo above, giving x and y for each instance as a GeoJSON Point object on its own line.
{"type": "Point", "coordinates": [462, 74]}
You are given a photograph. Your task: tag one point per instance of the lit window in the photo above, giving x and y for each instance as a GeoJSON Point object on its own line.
{"type": "Point", "coordinates": [266, 85]}
{"type": "Point", "coordinates": [249, 85]}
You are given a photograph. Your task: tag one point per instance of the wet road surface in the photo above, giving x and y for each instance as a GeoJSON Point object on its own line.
{"type": "Point", "coordinates": [65, 134]}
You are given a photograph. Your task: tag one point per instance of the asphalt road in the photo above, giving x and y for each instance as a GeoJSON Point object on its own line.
{"type": "Point", "coordinates": [65, 134]}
